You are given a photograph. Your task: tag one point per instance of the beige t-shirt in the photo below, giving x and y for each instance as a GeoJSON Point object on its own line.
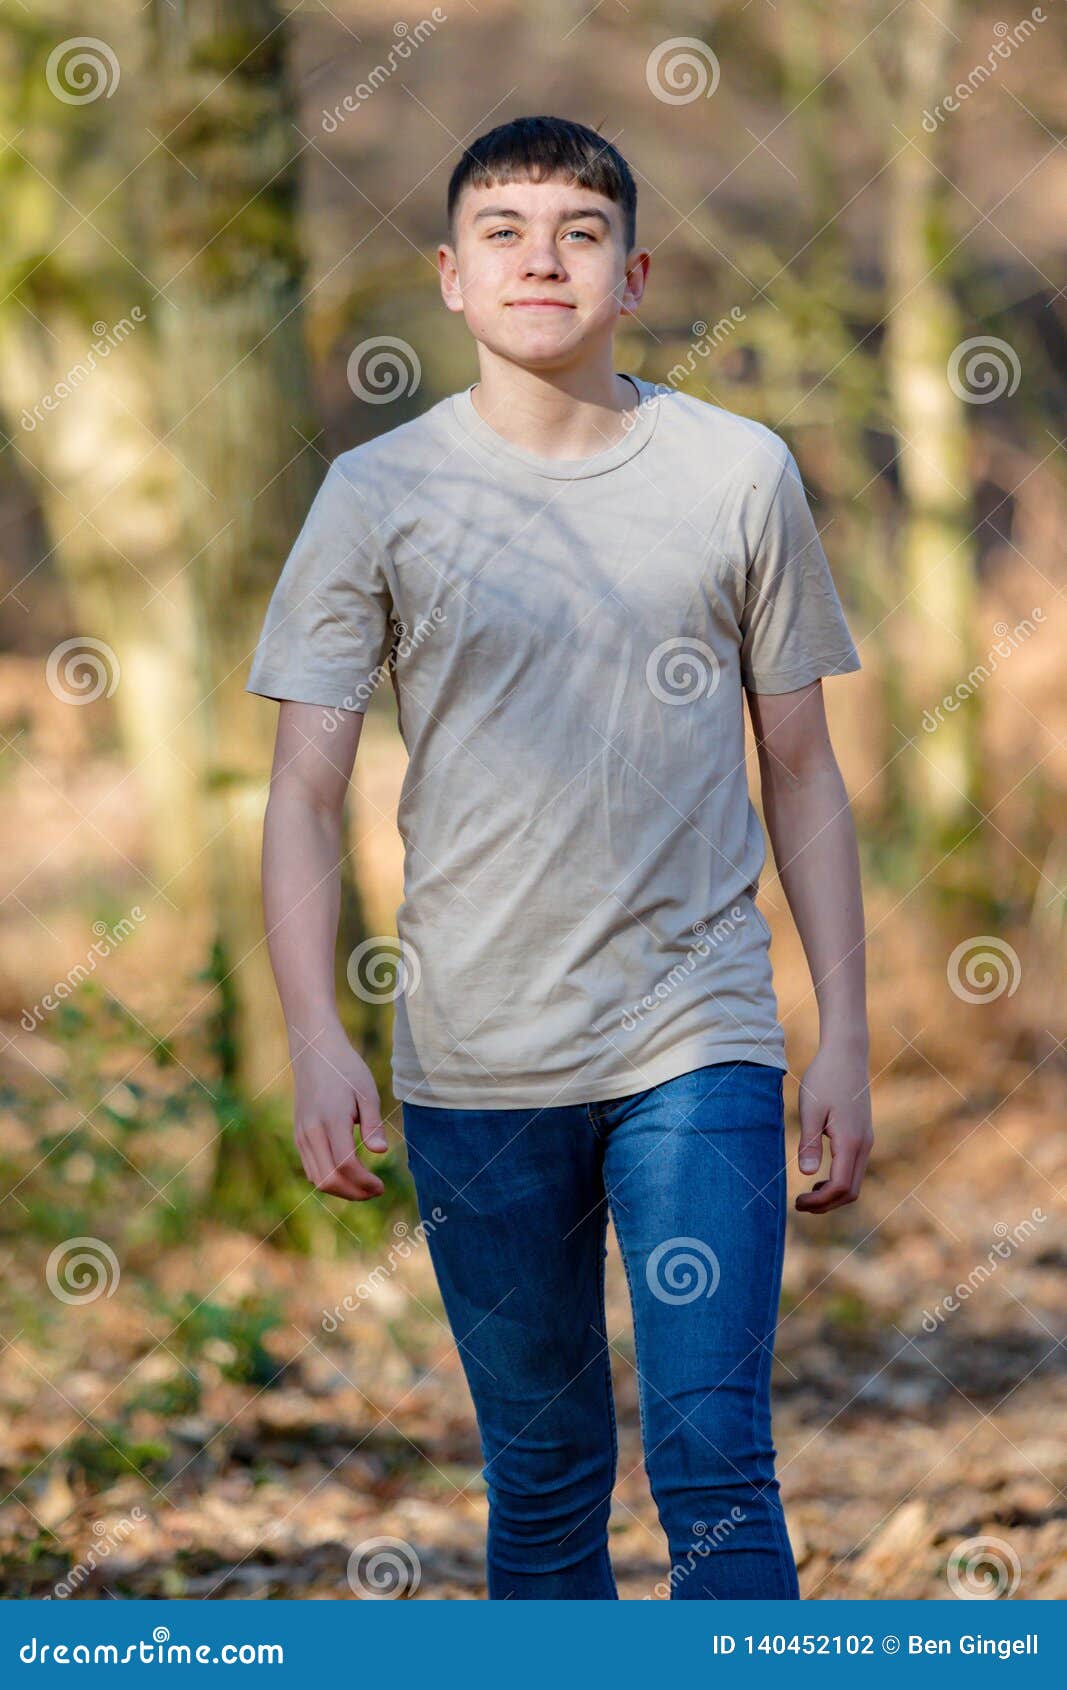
{"type": "Point", "coordinates": [568, 642]}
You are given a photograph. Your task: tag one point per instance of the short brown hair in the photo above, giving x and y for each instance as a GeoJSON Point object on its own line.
{"type": "Point", "coordinates": [544, 149]}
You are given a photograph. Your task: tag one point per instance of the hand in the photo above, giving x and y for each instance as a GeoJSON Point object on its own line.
{"type": "Point", "coordinates": [835, 1101]}
{"type": "Point", "coordinates": [334, 1089]}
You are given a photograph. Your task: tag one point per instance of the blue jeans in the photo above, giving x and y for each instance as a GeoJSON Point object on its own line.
{"type": "Point", "coordinates": [694, 1173]}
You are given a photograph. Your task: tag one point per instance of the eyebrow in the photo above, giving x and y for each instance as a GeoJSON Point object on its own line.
{"type": "Point", "coordinates": [565, 216]}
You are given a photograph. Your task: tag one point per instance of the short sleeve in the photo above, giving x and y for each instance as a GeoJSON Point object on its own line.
{"type": "Point", "coordinates": [327, 630]}
{"type": "Point", "coordinates": [793, 627]}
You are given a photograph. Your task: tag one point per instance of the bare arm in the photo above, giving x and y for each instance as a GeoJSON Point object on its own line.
{"type": "Point", "coordinates": [814, 843]}
{"type": "Point", "coordinates": [333, 1087]}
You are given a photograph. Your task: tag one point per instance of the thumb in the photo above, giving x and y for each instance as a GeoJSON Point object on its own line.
{"type": "Point", "coordinates": [810, 1154]}
{"type": "Point", "coordinates": [371, 1130]}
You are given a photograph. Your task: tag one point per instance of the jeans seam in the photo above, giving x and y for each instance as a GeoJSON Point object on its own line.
{"type": "Point", "coordinates": [777, 1513]}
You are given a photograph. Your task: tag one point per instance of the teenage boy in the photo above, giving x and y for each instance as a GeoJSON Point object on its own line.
{"type": "Point", "coordinates": [571, 576]}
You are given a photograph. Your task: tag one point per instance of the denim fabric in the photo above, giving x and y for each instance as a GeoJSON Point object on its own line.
{"type": "Point", "coordinates": [694, 1172]}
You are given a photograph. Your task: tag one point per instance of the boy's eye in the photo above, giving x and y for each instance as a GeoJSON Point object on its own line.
{"type": "Point", "coordinates": [585, 233]}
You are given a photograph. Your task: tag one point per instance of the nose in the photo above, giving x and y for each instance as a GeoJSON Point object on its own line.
{"type": "Point", "coordinates": [542, 257]}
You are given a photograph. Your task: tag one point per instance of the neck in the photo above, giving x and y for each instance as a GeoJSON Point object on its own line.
{"type": "Point", "coordinates": [572, 413]}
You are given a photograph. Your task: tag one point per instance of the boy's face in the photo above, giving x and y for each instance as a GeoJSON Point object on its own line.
{"type": "Point", "coordinates": [540, 270]}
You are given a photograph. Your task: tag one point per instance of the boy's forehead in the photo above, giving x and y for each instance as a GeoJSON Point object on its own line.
{"type": "Point", "coordinates": [533, 198]}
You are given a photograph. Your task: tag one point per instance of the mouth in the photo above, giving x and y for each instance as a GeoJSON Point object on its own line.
{"type": "Point", "coordinates": [539, 305]}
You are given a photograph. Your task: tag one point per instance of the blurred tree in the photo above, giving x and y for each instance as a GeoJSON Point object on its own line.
{"type": "Point", "coordinates": [80, 399]}
{"type": "Point", "coordinates": [236, 382]}
{"type": "Point", "coordinates": [923, 329]}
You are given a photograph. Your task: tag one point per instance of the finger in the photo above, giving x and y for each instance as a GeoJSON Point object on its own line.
{"type": "Point", "coordinates": [312, 1153]}
{"type": "Point", "coordinates": [346, 1166]}
{"type": "Point", "coordinates": [337, 1186]}
{"type": "Point", "coordinates": [836, 1189]}
{"type": "Point", "coordinates": [812, 1124]}
{"type": "Point", "coordinates": [369, 1116]}
{"type": "Point", "coordinates": [860, 1169]}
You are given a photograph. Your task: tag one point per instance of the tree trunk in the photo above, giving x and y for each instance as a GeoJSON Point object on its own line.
{"type": "Point", "coordinates": [237, 383]}
{"type": "Point", "coordinates": [941, 770]}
